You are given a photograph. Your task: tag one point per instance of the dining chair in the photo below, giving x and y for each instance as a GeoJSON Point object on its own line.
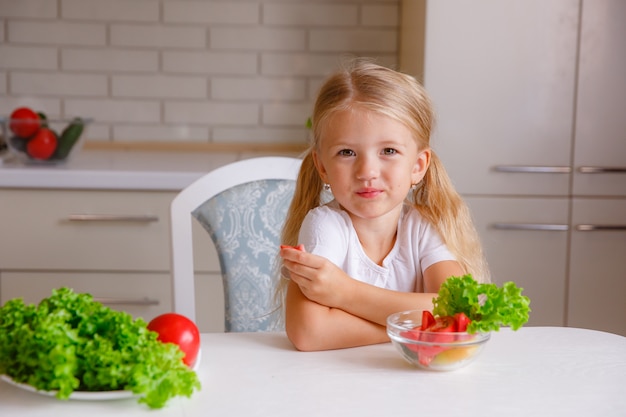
{"type": "Point", "coordinates": [242, 206]}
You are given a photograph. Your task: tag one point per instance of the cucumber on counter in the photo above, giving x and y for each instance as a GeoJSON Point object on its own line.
{"type": "Point", "coordinates": [68, 138]}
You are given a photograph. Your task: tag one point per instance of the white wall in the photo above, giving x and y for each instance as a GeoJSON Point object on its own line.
{"type": "Point", "coordinates": [185, 70]}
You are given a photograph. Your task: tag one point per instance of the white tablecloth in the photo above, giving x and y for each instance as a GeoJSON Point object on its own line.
{"type": "Point", "coordinates": [537, 371]}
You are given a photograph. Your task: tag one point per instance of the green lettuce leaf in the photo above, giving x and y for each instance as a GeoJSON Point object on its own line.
{"type": "Point", "coordinates": [70, 342]}
{"type": "Point", "coordinates": [487, 305]}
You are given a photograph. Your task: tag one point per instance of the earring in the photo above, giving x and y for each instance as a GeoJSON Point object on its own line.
{"type": "Point", "coordinates": [326, 187]}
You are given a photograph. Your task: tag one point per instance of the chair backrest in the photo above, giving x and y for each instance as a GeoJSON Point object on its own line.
{"type": "Point", "coordinates": [242, 206]}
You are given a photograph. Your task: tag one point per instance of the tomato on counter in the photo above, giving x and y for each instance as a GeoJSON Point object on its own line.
{"type": "Point", "coordinates": [42, 145]}
{"type": "Point", "coordinates": [178, 329]}
{"type": "Point", "coordinates": [24, 122]}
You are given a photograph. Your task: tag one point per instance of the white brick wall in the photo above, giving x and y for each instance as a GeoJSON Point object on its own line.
{"type": "Point", "coordinates": [185, 70]}
{"type": "Point", "coordinates": [57, 33]}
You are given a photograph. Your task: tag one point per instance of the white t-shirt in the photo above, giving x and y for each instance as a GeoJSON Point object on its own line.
{"type": "Point", "coordinates": [327, 231]}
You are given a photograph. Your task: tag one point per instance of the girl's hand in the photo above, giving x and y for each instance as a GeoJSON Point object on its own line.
{"type": "Point", "coordinates": [319, 279]}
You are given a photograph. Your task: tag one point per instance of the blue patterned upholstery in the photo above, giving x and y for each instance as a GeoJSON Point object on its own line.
{"type": "Point", "coordinates": [245, 223]}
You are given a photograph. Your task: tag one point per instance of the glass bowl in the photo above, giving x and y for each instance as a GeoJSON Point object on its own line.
{"type": "Point", "coordinates": [436, 351]}
{"type": "Point", "coordinates": [69, 133]}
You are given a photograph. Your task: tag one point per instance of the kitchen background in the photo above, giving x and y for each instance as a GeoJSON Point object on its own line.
{"type": "Point", "coordinates": [530, 97]}
{"type": "Point", "coordinates": [200, 71]}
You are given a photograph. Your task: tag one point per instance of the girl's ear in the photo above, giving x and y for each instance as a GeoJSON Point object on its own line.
{"type": "Point", "coordinates": [319, 165]}
{"type": "Point", "coordinates": [421, 166]}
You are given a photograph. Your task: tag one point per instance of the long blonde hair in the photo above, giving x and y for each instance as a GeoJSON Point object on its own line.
{"type": "Point", "coordinates": [398, 96]}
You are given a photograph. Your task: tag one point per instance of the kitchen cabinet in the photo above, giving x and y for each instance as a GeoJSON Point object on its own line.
{"type": "Point", "coordinates": [113, 244]}
{"type": "Point", "coordinates": [525, 241]}
{"type": "Point", "coordinates": [600, 135]}
{"type": "Point", "coordinates": [529, 97]}
{"type": "Point", "coordinates": [503, 85]}
{"type": "Point", "coordinates": [597, 285]}
{"type": "Point", "coordinates": [597, 282]}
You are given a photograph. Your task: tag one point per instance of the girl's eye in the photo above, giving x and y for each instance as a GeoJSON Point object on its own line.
{"type": "Point", "coordinates": [389, 151]}
{"type": "Point", "coordinates": [346, 152]}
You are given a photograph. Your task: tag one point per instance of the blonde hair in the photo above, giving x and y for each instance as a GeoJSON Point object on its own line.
{"type": "Point", "coordinates": [399, 96]}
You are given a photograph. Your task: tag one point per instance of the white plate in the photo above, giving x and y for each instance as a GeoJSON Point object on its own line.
{"type": "Point", "coordinates": [76, 395]}
{"type": "Point", "coordinates": [86, 395]}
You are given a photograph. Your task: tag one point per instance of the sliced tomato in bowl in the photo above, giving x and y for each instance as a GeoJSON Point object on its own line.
{"type": "Point", "coordinates": [462, 321]}
{"type": "Point", "coordinates": [435, 331]}
{"type": "Point", "coordinates": [427, 319]}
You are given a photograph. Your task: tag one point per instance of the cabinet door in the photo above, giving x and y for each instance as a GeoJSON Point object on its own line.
{"type": "Point", "coordinates": [502, 75]}
{"type": "Point", "coordinates": [525, 241]}
{"type": "Point", "coordinates": [85, 230]}
{"type": "Point", "coordinates": [90, 230]}
{"type": "Point", "coordinates": [597, 289]}
{"type": "Point", "coordinates": [600, 151]}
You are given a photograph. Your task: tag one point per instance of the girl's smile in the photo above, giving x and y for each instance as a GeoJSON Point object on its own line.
{"type": "Point", "coordinates": [369, 192]}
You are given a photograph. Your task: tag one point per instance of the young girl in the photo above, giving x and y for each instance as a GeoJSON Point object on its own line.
{"type": "Point", "coordinates": [395, 229]}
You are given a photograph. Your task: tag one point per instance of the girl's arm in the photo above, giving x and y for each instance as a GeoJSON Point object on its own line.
{"type": "Point", "coordinates": [311, 326]}
{"type": "Point", "coordinates": [327, 309]}
{"type": "Point", "coordinates": [376, 304]}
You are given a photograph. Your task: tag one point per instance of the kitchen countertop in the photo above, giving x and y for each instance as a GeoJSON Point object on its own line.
{"type": "Point", "coordinates": [119, 170]}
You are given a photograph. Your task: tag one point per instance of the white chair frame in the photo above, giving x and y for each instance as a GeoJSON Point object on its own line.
{"type": "Point", "coordinates": [201, 190]}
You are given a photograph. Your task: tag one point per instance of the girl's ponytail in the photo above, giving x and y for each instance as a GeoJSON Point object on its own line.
{"type": "Point", "coordinates": [309, 187]}
{"type": "Point", "coordinates": [438, 201]}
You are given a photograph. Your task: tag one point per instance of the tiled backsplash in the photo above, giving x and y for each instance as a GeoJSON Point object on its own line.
{"type": "Point", "coordinates": [185, 70]}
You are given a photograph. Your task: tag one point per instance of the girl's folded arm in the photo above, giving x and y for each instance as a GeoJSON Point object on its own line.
{"type": "Point", "coordinates": [375, 304]}
{"type": "Point", "coordinates": [311, 326]}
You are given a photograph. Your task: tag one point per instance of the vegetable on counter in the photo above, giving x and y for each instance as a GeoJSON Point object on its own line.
{"type": "Point", "coordinates": [69, 137]}
{"type": "Point", "coordinates": [24, 122]}
{"type": "Point", "coordinates": [34, 135]}
{"type": "Point", "coordinates": [70, 342]}
{"type": "Point", "coordinates": [43, 144]}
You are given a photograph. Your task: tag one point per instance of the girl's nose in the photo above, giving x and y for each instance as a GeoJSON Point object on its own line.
{"type": "Point", "coordinates": [368, 168]}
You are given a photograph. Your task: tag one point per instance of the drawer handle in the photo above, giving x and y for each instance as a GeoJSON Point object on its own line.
{"type": "Point", "coordinates": [531, 226]}
{"type": "Point", "coordinates": [533, 169]}
{"type": "Point", "coordinates": [141, 218]}
{"type": "Point", "coordinates": [600, 227]}
{"type": "Point", "coordinates": [127, 301]}
{"type": "Point", "coordinates": [602, 170]}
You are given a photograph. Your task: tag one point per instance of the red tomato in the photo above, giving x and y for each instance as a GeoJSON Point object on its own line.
{"type": "Point", "coordinates": [425, 353]}
{"type": "Point", "coordinates": [299, 247]}
{"type": "Point", "coordinates": [443, 324]}
{"type": "Point", "coordinates": [440, 331]}
{"type": "Point", "coordinates": [178, 329]}
{"type": "Point", "coordinates": [436, 330]}
{"type": "Point", "coordinates": [462, 321]}
{"type": "Point", "coordinates": [413, 334]}
{"type": "Point", "coordinates": [43, 145]}
{"type": "Point", "coordinates": [24, 122]}
{"type": "Point", "coordinates": [427, 320]}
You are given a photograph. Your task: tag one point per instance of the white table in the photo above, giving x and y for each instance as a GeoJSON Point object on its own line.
{"type": "Point", "coordinates": [537, 371]}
